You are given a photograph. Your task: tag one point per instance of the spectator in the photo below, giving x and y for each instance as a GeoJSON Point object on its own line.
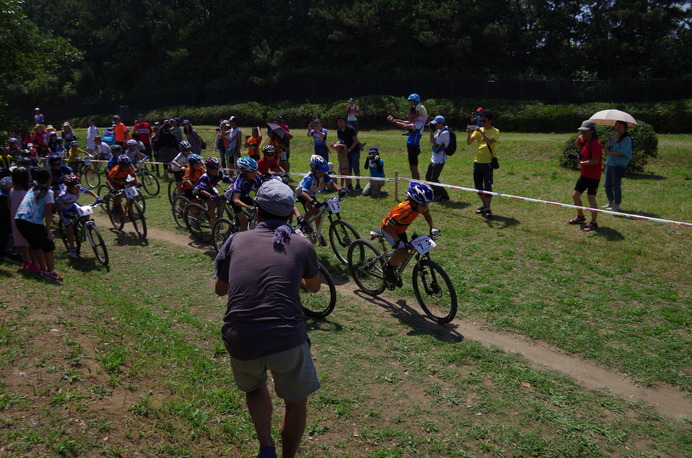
{"type": "Point", "coordinates": [348, 135]}
{"type": "Point", "coordinates": [319, 138]}
{"type": "Point", "coordinates": [414, 101]}
{"type": "Point", "coordinates": [286, 153]}
{"type": "Point", "coordinates": [352, 112]}
{"type": "Point", "coordinates": [414, 126]}
{"type": "Point", "coordinates": [376, 166]}
{"type": "Point", "coordinates": [253, 143]}
{"type": "Point", "coordinates": [175, 128]}
{"type": "Point", "coordinates": [589, 158]}
{"type": "Point", "coordinates": [144, 133]}
{"type": "Point", "coordinates": [20, 186]}
{"type": "Point", "coordinates": [38, 139]}
{"type": "Point", "coordinates": [342, 155]}
{"type": "Point", "coordinates": [235, 136]}
{"type": "Point", "coordinates": [476, 117]}
{"type": "Point", "coordinates": [263, 326]}
{"type": "Point", "coordinates": [439, 138]}
{"type": "Point", "coordinates": [92, 132]}
{"type": "Point", "coordinates": [618, 155]}
{"type": "Point", "coordinates": [488, 138]}
{"type": "Point", "coordinates": [222, 140]}
{"type": "Point", "coordinates": [168, 146]}
{"type": "Point", "coordinates": [38, 116]}
{"type": "Point", "coordinates": [120, 131]}
{"type": "Point", "coordinates": [13, 147]}
{"type": "Point", "coordinates": [68, 135]}
{"type": "Point", "coordinates": [193, 137]}
{"type": "Point", "coordinates": [52, 141]}
{"type": "Point", "coordinates": [102, 151]}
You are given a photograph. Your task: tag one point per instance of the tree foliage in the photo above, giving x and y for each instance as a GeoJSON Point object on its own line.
{"type": "Point", "coordinates": [133, 47]}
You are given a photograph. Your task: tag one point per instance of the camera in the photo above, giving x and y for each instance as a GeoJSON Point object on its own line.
{"type": "Point", "coordinates": [577, 156]}
{"type": "Point", "coordinates": [470, 127]}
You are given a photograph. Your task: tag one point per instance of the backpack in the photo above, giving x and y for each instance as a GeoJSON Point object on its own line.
{"type": "Point", "coordinates": [452, 147]}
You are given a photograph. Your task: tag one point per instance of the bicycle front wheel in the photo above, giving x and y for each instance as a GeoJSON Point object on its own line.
{"type": "Point", "coordinates": [197, 222]}
{"type": "Point", "coordinates": [221, 230]}
{"type": "Point", "coordinates": [114, 214]}
{"type": "Point", "coordinates": [321, 303]}
{"type": "Point", "coordinates": [138, 220]}
{"type": "Point", "coordinates": [150, 183]}
{"type": "Point", "coordinates": [178, 209]}
{"type": "Point", "coordinates": [97, 243]}
{"type": "Point", "coordinates": [341, 235]}
{"type": "Point", "coordinates": [91, 178]}
{"type": "Point", "coordinates": [172, 191]}
{"type": "Point", "coordinates": [366, 264]}
{"type": "Point", "coordinates": [434, 291]}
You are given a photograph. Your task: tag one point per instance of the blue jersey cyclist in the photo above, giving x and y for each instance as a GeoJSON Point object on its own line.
{"type": "Point", "coordinates": [116, 151]}
{"type": "Point", "coordinates": [66, 204]}
{"type": "Point", "coordinates": [318, 180]}
{"type": "Point", "coordinates": [246, 182]}
{"type": "Point", "coordinates": [205, 189]}
{"type": "Point", "coordinates": [58, 172]}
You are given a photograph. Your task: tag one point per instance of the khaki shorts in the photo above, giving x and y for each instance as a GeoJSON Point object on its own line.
{"type": "Point", "coordinates": [295, 377]}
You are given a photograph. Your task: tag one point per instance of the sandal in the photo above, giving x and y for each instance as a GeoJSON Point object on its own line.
{"type": "Point", "coordinates": [590, 227]}
{"type": "Point", "coordinates": [577, 219]}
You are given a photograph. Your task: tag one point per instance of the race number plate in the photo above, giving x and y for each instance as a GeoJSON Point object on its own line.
{"type": "Point", "coordinates": [299, 232]}
{"type": "Point", "coordinates": [131, 192]}
{"type": "Point", "coordinates": [130, 178]}
{"type": "Point", "coordinates": [334, 205]}
{"type": "Point", "coordinates": [85, 210]}
{"type": "Point", "coordinates": [423, 244]}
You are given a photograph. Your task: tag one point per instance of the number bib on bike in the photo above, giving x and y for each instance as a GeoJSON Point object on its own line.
{"type": "Point", "coordinates": [334, 204]}
{"type": "Point", "coordinates": [85, 210]}
{"type": "Point", "coordinates": [131, 192]}
{"type": "Point", "coordinates": [423, 244]}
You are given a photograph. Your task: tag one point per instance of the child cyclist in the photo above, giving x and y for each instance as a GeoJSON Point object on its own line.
{"type": "Point", "coordinates": [268, 163]}
{"type": "Point", "coordinates": [316, 181]}
{"type": "Point", "coordinates": [180, 162]}
{"type": "Point", "coordinates": [192, 174]}
{"type": "Point", "coordinates": [73, 154]}
{"type": "Point", "coordinates": [117, 179]}
{"type": "Point", "coordinates": [205, 189]}
{"type": "Point", "coordinates": [58, 171]}
{"type": "Point", "coordinates": [66, 203]}
{"type": "Point", "coordinates": [246, 181]}
{"type": "Point", "coordinates": [395, 224]}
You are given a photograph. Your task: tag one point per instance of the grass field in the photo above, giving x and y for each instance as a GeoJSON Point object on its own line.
{"type": "Point", "coordinates": [129, 361]}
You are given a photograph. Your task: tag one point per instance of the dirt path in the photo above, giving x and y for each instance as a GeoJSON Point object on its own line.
{"type": "Point", "coordinates": [666, 399]}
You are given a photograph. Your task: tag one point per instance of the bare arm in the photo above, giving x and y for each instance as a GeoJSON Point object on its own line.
{"type": "Point", "coordinates": [311, 284]}
{"type": "Point", "coordinates": [221, 287]}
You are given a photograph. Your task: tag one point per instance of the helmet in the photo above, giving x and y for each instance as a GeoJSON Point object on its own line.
{"type": "Point", "coordinates": [116, 149]}
{"type": "Point", "coordinates": [54, 158]}
{"type": "Point", "coordinates": [12, 140]}
{"type": "Point", "coordinates": [319, 163]}
{"type": "Point", "coordinates": [132, 142]}
{"type": "Point", "coordinates": [246, 164]}
{"type": "Point", "coordinates": [73, 143]}
{"type": "Point", "coordinates": [185, 145]}
{"type": "Point", "coordinates": [211, 163]}
{"type": "Point", "coordinates": [124, 159]}
{"type": "Point", "coordinates": [72, 180]}
{"type": "Point", "coordinates": [414, 96]}
{"type": "Point", "coordinates": [59, 139]}
{"type": "Point", "coordinates": [420, 193]}
{"type": "Point", "coordinates": [194, 159]}
{"type": "Point", "coordinates": [268, 149]}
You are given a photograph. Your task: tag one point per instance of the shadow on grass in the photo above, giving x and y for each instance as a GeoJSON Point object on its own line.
{"type": "Point", "coordinates": [86, 264]}
{"type": "Point", "coordinates": [414, 318]}
{"type": "Point", "coordinates": [453, 205]}
{"type": "Point", "coordinates": [649, 215]}
{"type": "Point", "coordinates": [610, 234]}
{"type": "Point", "coordinates": [644, 176]}
{"type": "Point", "coordinates": [501, 222]}
{"type": "Point", "coordinates": [206, 248]}
{"type": "Point", "coordinates": [128, 238]}
{"type": "Point", "coordinates": [322, 324]}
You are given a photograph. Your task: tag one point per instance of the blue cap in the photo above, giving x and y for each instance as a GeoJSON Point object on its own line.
{"type": "Point", "coordinates": [438, 119]}
{"type": "Point", "coordinates": [373, 149]}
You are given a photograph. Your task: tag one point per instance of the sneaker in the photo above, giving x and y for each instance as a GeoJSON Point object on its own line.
{"type": "Point", "coordinates": [607, 206]}
{"type": "Point", "coordinates": [34, 269]}
{"type": "Point", "coordinates": [615, 207]}
{"type": "Point", "coordinates": [487, 214]}
{"type": "Point", "coordinates": [358, 188]}
{"type": "Point", "coordinates": [480, 210]}
{"type": "Point", "coordinates": [51, 275]}
{"type": "Point", "coordinates": [72, 253]}
{"type": "Point", "coordinates": [25, 266]}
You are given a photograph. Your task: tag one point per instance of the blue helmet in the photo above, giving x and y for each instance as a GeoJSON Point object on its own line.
{"type": "Point", "coordinates": [194, 159]}
{"type": "Point", "coordinates": [420, 193]}
{"type": "Point", "coordinates": [53, 159]}
{"type": "Point", "coordinates": [124, 160]}
{"type": "Point", "coordinates": [246, 164]}
{"type": "Point", "coordinates": [414, 96]}
{"type": "Point", "coordinates": [116, 149]}
{"type": "Point", "coordinates": [319, 163]}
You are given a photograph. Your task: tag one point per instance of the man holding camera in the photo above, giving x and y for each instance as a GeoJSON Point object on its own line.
{"type": "Point", "coordinates": [488, 138]}
{"type": "Point", "coordinates": [439, 138]}
{"type": "Point", "coordinates": [414, 126]}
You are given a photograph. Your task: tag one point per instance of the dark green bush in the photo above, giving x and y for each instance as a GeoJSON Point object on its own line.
{"type": "Point", "coordinates": [644, 146]}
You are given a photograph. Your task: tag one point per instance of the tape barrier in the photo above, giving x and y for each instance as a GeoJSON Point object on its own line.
{"type": "Point", "coordinates": [511, 196]}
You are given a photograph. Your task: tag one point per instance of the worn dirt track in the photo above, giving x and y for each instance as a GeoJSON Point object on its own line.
{"type": "Point", "coordinates": [667, 400]}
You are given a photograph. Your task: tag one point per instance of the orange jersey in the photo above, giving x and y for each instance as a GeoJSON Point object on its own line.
{"type": "Point", "coordinates": [401, 217]}
{"type": "Point", "coordinates": [191, 176]}
{"type": "Point", "coordinates": [253, 145]}
{"type": "Point", "coordinates": [118, 174]}
{"type": "Point", "coordinates": [120, 132]}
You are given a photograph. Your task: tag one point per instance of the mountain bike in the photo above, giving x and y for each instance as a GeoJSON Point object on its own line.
{"type": "Point", "coordinates": [150, 183]}
{"type": "Point", "coordinates": [132, 211]}
{"type": "Point", "coordinates": [196, 216]}
{"type": "Point", "coordinates": [431, 284]}
{"type": "Point", "coordinates": [85, 230]}
{"type": "Point", "coordinates": [321, 303]}
{"type": "Point", "coordinates": [341, 232]}
{"type": "Point", "coordinates": [223, 227]}
{"type": "Point", "coordinates": [89, 175]}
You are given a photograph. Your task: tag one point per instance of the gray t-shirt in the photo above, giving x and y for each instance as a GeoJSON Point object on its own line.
{"type": "Point", "coordinates": [263, 315]}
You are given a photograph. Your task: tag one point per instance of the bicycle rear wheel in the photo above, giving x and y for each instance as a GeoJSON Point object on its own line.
{"type": "Point", "coordinates": [138, 220]}
{"type": "Point", "coordinates": [197, 222]}
{"type": "Point", "coordinates": [90, 177]}
{"type": "Point", "coordinates": [366, 264]}
{"type": "Point", "coordinates": [97, 244]}
{"type": "Point", "coordinates": [150, 183]}
{"type": "Point", "coordinates": [221, 230]}
{"type": "Point", "coordinates": [434, 291]}
{"type": "Point", "coordinates": [321, 303]}
{"type": "Point", "coordinates": [178, 208]}
{"type": "Point", "coordinates": [172, 191]}
{"type": "Point", "coordinates": [115, 216]}
{"type": "Point", "coordinates": [341, 235]}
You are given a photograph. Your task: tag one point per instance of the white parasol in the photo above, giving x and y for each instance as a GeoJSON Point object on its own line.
{"type": "Point", "coordinates": [608, 118]}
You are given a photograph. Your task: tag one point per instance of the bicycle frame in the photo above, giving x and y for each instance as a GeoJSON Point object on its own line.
{"type": "Point", "coordinates": [387, 252]}
{"type": "Point", "coordinates": [314, 237]}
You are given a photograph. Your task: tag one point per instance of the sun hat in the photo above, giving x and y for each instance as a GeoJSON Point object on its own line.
{"type": "Point", "coordinates": [438, 119]}
{"type": "Point", "coordinates": [276, 198]}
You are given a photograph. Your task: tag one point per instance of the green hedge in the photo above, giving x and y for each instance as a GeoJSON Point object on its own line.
{"type": "Point", "coordinates": [510, 116]}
